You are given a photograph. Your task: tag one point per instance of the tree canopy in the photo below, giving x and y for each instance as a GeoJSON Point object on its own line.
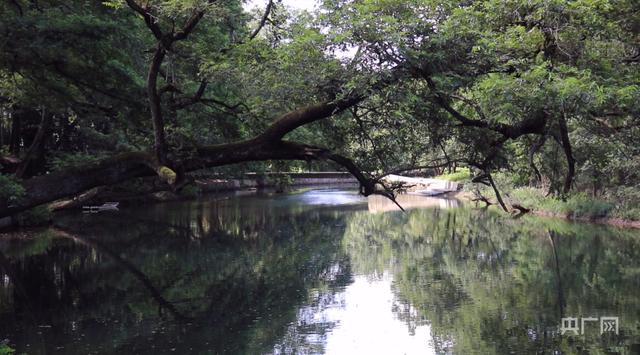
{"type": "Point", "coordinates": [99, 93]}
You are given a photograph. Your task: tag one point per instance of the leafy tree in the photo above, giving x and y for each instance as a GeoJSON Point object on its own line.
{"type": "Point", "coordinates": [545, 90]}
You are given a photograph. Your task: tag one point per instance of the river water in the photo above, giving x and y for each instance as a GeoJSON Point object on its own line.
{"type": "Point", "coordinates": [318, 271]}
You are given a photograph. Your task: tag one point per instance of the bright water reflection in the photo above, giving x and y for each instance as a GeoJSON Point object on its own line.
{"type": "Point", "coordinates": [316, 272]}
{"type": "Point", "coordinates": [367, 322]}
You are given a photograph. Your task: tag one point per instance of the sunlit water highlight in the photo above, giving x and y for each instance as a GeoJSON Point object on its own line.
{"type": "Point", "coordinates": [315, 271]}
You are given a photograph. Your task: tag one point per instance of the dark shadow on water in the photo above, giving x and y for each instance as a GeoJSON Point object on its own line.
{"type": "Point", "coordinates": [292, 273]}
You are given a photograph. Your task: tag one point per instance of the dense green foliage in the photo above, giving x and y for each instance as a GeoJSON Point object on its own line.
{"type": "Point", "coordinates": [6, 349]}
{"type": "Point", "coordinates": [618, 202]}
{"type": "Point", "coordinates": [573, 64]}
{"type": "Point", "coordinates": [543, 91]}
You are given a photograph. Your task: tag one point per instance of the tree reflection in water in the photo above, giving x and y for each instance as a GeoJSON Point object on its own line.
{"type": "Point", "coordinates": [490, 285]}
{"type": "Point", "coordinates": [230, 278]}
{"type": "Point", "coordinates": [264, 274]}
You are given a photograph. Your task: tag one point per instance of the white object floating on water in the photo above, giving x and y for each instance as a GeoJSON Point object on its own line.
{"type": "Point", "coordinates": [423, 186]}
{"type": "Point", "coordinates": [107, 206]}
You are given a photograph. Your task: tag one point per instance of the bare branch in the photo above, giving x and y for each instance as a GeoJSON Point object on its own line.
{"type": "Point", "coordinates": [149, 19]}
{"type": "Point", "coordinates": [471, 103]}
{"type": "Point", "coordinates": [188, 101]}
{"type": "Point", "coordinates": [189, 26]}
{"type": "Point", "coordinates": [267, 11]}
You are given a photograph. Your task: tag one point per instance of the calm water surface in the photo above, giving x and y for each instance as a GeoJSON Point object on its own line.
{"type": "Point", "coordinates": [317, 271]}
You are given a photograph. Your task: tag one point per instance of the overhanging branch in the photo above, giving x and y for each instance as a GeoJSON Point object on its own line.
{"type": "Point", "coordinates": [123, 167]}
{"type": "Point", "coordinates": [263, 20]}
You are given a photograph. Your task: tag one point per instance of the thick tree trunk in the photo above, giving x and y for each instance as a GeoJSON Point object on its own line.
{"type": "Point", "coordinates": [497, 192]}
{"type": "Point", "coordinates": [123, 167]}
{"type": "Point", "coordinates": [14, 136]}
{"type": "Point", "coordinates": [566, 147]}
{"type": "Point", "coordinates": [155, 105]}
{"type": "Point", "coordinates": [532, 152]}
{"type": "Point", "coordinates": [36, 150]}
{"type": "Point", "coordinates": [164, 43]}
{"type": "Point", "coordinates": [127, 166]}
{"type": "Point", "coordinates": [266, 146]}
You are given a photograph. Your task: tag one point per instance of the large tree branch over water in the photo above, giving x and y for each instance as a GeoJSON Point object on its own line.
{"type": "Point", "coordinates": [171, 166]}
{"type": "Point", "coordinates": [535, 124]}
{"type": "Point", "coordinates": [266, 146]}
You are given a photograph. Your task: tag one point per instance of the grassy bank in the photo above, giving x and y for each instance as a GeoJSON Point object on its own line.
{"type": "Point", "coordinates": [577, 205]}
{"type": "Point", "coordinates": [461, 175]}
{"type": "Point", "coordinates": [619, 206]}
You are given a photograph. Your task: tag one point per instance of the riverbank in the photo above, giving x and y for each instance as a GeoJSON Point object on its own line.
{"type": "Point", "coordinates": [578, 208]}
{"type": "Point", "coordinates": [612, 221]}
{"type": "Point", "coordinates": [208, 184]}
{"type": "Point", "coordinates": [145, 192]}
{"type": "Point", "coordinates": [418, 198]}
